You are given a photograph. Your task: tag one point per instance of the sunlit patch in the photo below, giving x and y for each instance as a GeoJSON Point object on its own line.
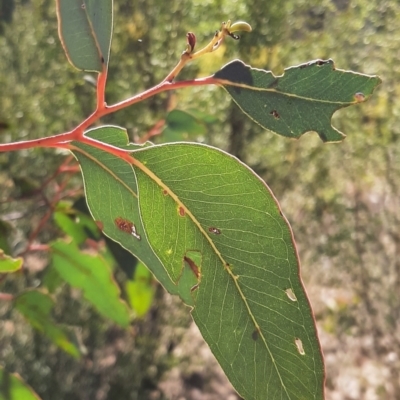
{"type": "Point", "coordinates": [299, 345]}
{"type": "Point", "coordinates": [289, 292]}
{"type": "Point", "coordinates": [127, 226]}
{"type": "Point", "coordinates": [169, 252]}
{"type": "Point", "coordinates": [214, 230]}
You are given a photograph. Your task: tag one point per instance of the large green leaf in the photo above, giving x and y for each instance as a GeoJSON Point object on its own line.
{"type": "Point", "coordinates": [94, 276]}
{"type": "Point", "coordinates": [303, 99]}
{"type": "Point", "coordinates": [12, 387]}
{"type": "Point", "coordinates": [250, 304]}
{"type": "Point", "coordinates": [85, 29]}
{"type": "Point", "coordinates": [222, 243]}
{"type": "Point", "coordinates": [36, 307]}
{"type": "Point", "coordinates": [111, 193]}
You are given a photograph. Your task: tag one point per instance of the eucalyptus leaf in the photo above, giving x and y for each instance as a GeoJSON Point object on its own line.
{"type": "Point", "coordinates": [303, 99]}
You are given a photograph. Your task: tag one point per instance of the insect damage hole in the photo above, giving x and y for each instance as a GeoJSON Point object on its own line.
{"type": "Point", "coordinates": [299, 345]}
{"type": "Point", "coordinates": [290, 294]}
{"type": "Point", "coordinates": [127, 226]}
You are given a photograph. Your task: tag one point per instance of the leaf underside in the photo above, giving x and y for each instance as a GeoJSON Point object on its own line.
{"type": "Point", "coordinates": [219, 237]}
{"type": "Point", "coordinates": [303, 99]}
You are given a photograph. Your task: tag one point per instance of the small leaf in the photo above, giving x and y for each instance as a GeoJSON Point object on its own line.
{"type": "Point", "coordinates": [36, 307]}
{"type": "Point", "coordinates": [140, 290]}
{"type": "Point", "coordinates": [85, 29]}
{"type": "Point", "coordinates": [182, 121]}
{"type": "Point", "coordinates": [94, 276]}
{"type": "Point", "coordinates": [51, 279]}
{"type": "Point", "coordinates": [12, 387]}
{"type": "Point", "coordinates": [303, 99]}
{"type": "Point", "coordinates": [75, 224]}
{"type": "Point", "coordinates": [9, 264]}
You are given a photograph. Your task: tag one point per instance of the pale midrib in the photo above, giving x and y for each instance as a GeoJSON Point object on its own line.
{"type": "Point", "coordinates": [225, 264]}
{"type": "Point", "coordinates": [95, 160]}
{"type": "Point", "coordinates": [225, 82]}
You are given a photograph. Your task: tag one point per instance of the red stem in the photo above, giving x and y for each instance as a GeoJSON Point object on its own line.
{"type": "Point", "coordinates": [102, 110]}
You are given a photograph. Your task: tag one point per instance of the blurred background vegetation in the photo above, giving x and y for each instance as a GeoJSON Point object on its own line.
{"type": "Point", "coordinates": [342, 200]}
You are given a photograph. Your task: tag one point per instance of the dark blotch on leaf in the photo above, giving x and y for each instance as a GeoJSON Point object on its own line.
{"type": "Point", "coordinates": [214, 230]}
{"type": "Point", "coordinates": [181, 211]}
{"type": "Point", "coordinates": [254, 335]}
{"type": "Point", "coordinates": [275, 114]}
{"type": "Point", "coordinates": [323, 136]}
{"type": "Point", "coordinates": [237, 72]}
{"type": "Point", "coordinates": [193, 266]}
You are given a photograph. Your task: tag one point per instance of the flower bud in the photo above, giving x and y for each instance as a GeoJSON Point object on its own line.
{"type": "Point", "coordinates": [191, 41]}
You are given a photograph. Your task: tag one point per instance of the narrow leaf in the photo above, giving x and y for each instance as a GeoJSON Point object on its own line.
{"type": "Point", "coordinates": [204, 209]}
{"type": "Point", "coordinates": [303, 99]}
{"type": "Point", "coordinates": [12, 387]}
{"type": "Point", "coordinates": [94, 276]}
{"type": "Point", "coordinates": [9, 264]}
{"type": "Point", "coordinates": [111, 194]}
{"type": "Point", "coordinates": [36, 307]}
{"type": "Point", "coordinates": [85, 30]}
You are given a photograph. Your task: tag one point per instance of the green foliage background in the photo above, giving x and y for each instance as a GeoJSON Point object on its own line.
{"type": "Point", "coordinates": [341, 200]}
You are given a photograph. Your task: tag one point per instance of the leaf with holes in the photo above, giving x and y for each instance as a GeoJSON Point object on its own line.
{"type": "Point", "coordinates": [249, 302]}
{"type": "Point", "coordinates": [111, 194]}
{"type": "Point", "coordinates": [85, 29]}
{"type": "Point", "coordinates": [303, 99]}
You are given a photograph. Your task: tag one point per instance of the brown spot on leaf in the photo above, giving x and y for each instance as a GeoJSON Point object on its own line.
{"type": "Point", "coordinates": [127, 226]}
{"type": "Point", "coordinates": [165, 193]}
{"type": "Point", "coordinates": [359, 97]}
{"type": "Point", "coordinates": [275, 114]}
{"type": "Point", "coordinates": [99, 224]}
{"type": "Point", "coordinates": [255, 334]}
{"type": "Point", "coordinates": [181, 211]}
{"type": "Point", "coordinates": [304, 65]}
{"type": "Point", "coordinates": [193, 266]}
{"type": "Point", "coordinates": [214, 230]}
